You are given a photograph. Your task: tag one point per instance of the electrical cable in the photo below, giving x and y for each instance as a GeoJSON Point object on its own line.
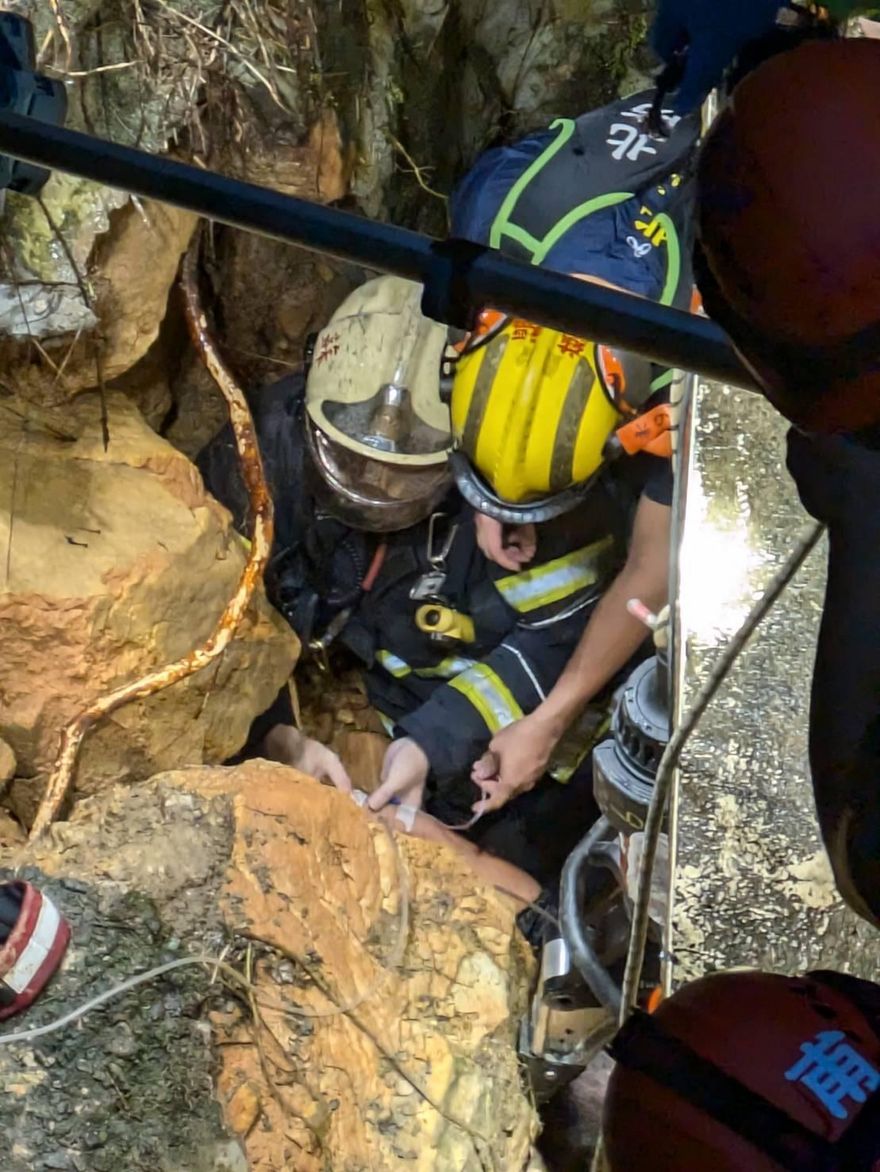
{"type": "Point", "coordinates": [668, 762]}
{"type": "Point", "coordinates": [218, 964]}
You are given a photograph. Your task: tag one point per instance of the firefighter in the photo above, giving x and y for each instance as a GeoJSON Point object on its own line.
{"type": "Point", "coordinates": [376, 545]}
{"type": "Point", "coordinates": [598, 198]}
{"type": "Point", "coordinates": [807, 322]}
{"type": "Point", "coordinates": [464, 580]}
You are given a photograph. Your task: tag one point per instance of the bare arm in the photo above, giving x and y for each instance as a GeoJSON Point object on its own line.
{"type": "Point", "coordinates": [612, 634]}
{"type": "Point", "coordinates": [497, 872]}
{"type": "Point", "coordinates": [519, 754]}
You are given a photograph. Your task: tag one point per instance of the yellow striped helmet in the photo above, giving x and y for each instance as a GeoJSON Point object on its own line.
{"type": "Point", "coordinates": [532, 410]}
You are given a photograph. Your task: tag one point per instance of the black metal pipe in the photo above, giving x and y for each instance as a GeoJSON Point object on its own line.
{"type": "Point", "coordinates": [571, 890]}
{"type": "Point", "coordinates": [459, 277]}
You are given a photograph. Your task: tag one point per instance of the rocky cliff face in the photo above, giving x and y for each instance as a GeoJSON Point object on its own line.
{"type": "Point", "coordinates": [114, 560]}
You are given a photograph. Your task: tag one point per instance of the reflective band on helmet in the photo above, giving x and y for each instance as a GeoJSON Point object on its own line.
{"type": "Point", "coordinates": [485, 690]}
{"type": "Point", "coordinates": [32, 958]}
{"type": "Point", "coordinates": [393, 664]}
{"type": "Point", "coordinates": [555, 580]}
{"type": "Point", "coordinates": [446, 669]}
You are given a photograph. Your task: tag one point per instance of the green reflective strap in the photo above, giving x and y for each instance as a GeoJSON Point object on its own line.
{"type": "Point", "coordinates": [501, 223]}
{"type": "Point", "coordinates": [673, 259]}
{"type": "Point", "coordinates": [663, 380]}
{"type": "Point", "coordinates": [568, 221]}
{"type": "Point", "coordinates": [486, 692]}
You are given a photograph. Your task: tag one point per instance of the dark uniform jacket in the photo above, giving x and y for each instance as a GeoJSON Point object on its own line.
{"type": "Point", "coordinates": [450, 698]}
{"type": "Point", "coordinates": [593, 195]}
{"type": "Point", "coordinates": [590, 195]}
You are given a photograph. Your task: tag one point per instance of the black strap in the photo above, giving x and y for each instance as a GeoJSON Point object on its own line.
{"type": "Point", "coordinates": [645, 1046]}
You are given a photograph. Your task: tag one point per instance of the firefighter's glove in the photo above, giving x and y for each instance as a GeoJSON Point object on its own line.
{"type": "Point", "coordinates": [404, 774]}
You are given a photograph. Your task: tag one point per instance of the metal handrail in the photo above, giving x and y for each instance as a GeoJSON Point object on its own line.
{"type": "Point", "coordinates": [459, 277]}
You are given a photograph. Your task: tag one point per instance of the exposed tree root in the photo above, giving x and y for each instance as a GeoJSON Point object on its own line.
{"type": "Point", "coordinates": [260, 544]}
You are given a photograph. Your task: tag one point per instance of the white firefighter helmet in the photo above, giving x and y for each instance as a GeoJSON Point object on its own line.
{"type": "Point", "coordinates": [379, 432]}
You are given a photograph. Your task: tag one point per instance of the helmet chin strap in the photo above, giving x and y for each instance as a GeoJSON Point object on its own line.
{"type": "Point", "coordinates": [478, 494]}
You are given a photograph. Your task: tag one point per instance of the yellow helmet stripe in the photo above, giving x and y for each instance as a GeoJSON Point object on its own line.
{"type": "Point", "coordinates": [538, 391]}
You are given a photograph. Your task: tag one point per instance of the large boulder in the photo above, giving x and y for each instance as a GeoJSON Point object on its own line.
{"type": "Point", "coordinates": [389, 983]}
{"type": "Point", "coordinates": [115, 562]}
{"type": "Point", "coordinates": [87, 336]}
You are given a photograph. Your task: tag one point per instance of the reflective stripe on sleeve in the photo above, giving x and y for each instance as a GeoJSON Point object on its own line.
{"type": "Point", "coordinates": [446, 669]}
{"type": "Point", "coordinates": [555, 580]}
{"type": "Point", "coordinates": [489, 695]}
{"type": "Point", "coordinates": [393, 664]}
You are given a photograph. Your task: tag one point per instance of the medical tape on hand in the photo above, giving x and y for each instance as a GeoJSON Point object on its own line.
{"type": "Point", "coordinates": [405, 815]}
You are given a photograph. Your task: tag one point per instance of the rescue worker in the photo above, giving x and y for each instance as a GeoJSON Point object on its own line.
{"type": "Point", "coordinates": [377, 549]}
{"type": "Point", "coordinates": [749, 1072]}
{"type": "Point", "coordinates": [807, 322]}
{"type": "Point", "coordinates": [467, 609]}
{"type": "Point", "coordinates": [602, 200]}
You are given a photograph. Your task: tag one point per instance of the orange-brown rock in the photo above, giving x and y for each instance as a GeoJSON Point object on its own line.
{"type": "Point", "coordinates": [376, 1049]}
{"type": "Point", "coordinates": [115, 562]}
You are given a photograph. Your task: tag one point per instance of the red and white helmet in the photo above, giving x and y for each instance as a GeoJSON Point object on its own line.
{"type": "Point", "coordinates": [750, 1072]}
{"type": "Point", "coordinates": [32, 950]}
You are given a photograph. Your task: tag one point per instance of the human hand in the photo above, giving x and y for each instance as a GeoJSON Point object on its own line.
{"type": "Point", "coordinates": [509, 546]}
{"type": "Point", "coordinates": [291, 747]}
{"type": "Point", "coordinates": [714, 32]}
{"type": "Point", "coordinates": [516, 760]}
{"type": "Point", "coordinates": [404, 773]}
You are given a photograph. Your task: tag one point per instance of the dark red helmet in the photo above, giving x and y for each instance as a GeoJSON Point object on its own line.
{"type": "Point", "coordinates": [750, 1072]}
{"type": "Point", "coordinates": [789, 230]}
